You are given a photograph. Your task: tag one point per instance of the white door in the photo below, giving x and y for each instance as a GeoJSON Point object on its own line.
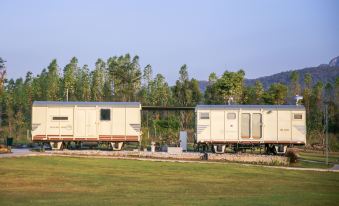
{"type": "Point", "coordinates": [86, 123]}
{"type": "Point", "coordinates": [284, 126]}
{"type": "Point", "coordinates": [53, 124]}
{"type": "Point", "coordinates": [231, 126]}
{"type": "Point", "coordinates": [218, 125]}
{"type": "Point", "coordinates": [256, 126]}
{"type": "Point", "coordinates": [66, 121]}
{"type": "Point", "coordinates": [81, 123]}
{"type": "Point", "coordinates": [245, 125]}
{"type": "Point", "coordinates": [91, 127]}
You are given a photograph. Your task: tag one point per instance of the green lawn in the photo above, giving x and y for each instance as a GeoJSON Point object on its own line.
{"type": "Point", "coordinates": [89, 181]}
{"type": "Point", "coordinates": [333, 157]}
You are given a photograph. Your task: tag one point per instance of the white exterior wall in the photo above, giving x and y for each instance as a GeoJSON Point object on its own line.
{"type": "Point", "coordinates": [277, 126]}
{"type": "Point", "coordinates": [84, 123]}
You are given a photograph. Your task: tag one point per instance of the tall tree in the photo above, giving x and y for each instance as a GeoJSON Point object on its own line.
{"type": "Point", "coordinates": [69, 79]}
{"type": "Point", "coordinates": [53, 81]}
{"type": "Point", "coordinates": [230, 85]}
{"type": "Point", "coordinates": [211, 96]}
{"type": "Point", "coordinates": [254, 94]}
{"type": "Point", "coordinates": [276, 94]}
{"type": "Point", "coordinates": [98, 80]}
{"type": "Point", "coordinates": [85, 84]}
{"type": "Point", "coordinates": [307, 99]}
{"type": "Point", "coordinates": [182, 92]}
{"type": "Point", "coordinates": [295, 88]}
{"type": "Point", "coordinates": [196, 93]}
{"type": "Point", "coordinates": [125, 75]}
{"type": "Point", "coordinates": [2, 74]}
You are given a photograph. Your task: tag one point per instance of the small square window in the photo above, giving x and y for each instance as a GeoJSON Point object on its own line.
{"type": "Point", "coordinates": [105, 114]}
{"type": "Point", "coordinates": [231, 115]}
{"type": "Point", "coordinates": [204, 115]}
{"type": "Point", "coordinates": [297, 116]}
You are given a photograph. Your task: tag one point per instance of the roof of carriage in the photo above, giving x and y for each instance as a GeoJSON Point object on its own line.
{"type": "Point", "coordinates": [256, 107]}
{"type": "Point", "coordinates": [62, 103]}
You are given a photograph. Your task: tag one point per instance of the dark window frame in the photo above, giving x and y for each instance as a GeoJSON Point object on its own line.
{"type": "Point", "coordinates": [60, 118]}
{"type": "Point", "coordinates": [297, 116]}
{"type": "Point", "coordinates": [105, 114]}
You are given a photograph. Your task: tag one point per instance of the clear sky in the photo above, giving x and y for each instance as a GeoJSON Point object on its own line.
{"type": "Point", "coordinates": [261, 37]}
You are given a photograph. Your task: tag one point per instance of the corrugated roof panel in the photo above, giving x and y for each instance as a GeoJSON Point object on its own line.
{"type": "Point", "coordinates": [58, 103]}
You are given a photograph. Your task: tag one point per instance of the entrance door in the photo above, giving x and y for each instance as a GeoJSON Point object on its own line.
{"type": "Point", "coordinates": [256, 126]}
{"type": "Point", "coordinates": [91, 127]}
{"type": "Point", "coordinates": [231, 126]}
{"type": "Point", "coordinates": [86, 123]}
{"type": "Point", "coordinates": [218, 125]}
{"type": "Point", "coordinates": [81, 123]}
{"type": "Point", "coordinates": [284, 126]}
{"type": "Point", "coordinates": [245, 125]}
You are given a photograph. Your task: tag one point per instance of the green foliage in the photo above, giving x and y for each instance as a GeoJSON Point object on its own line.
{"type": "Point", "coordinates": [230, 85]}
{"type": "Point", "coordinates": [121, 79]}
{"type": "Point", "coordinates": [53, 81]}
{"type": "Point", "coordinates": [276, 94]}
{"type": "Point", "coordinates": [98, 80]}
{"type": "Point", "coordinates": [254, 94]}
{"type": "Point", "coordinates": [69, 79]}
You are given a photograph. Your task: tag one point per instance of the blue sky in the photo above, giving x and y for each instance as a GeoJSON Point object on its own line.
{"type": "Point", "coordinates": [261, 37]}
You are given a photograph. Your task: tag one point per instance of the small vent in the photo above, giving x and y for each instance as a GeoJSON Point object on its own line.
{"type": "Point", "coordinates": [35, 126]}
{"type": "Point", "coordinates": [201, 128]}
{"type": "Point", "coordinates": [204, 115]}
{"type": "Point", "coordinates": [136, 127]}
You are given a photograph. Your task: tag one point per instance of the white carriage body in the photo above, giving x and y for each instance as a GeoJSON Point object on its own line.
{"type": "Point", "coordinates": [86, 121]}
{"type": "Point", "coordinates": [251, 124]}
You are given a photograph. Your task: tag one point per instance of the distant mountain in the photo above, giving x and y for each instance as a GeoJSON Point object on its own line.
{"type": "Point", "coordinates": [324, 72]}
{"type": "Point", "coordinates": [334, 62]}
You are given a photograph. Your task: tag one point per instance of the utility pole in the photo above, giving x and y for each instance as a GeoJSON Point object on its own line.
{"type": "Point", "coordinates": [67, 95]}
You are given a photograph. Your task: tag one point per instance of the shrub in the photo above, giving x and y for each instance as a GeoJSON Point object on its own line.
{"type": "Point", "coordinates": [292, 155]}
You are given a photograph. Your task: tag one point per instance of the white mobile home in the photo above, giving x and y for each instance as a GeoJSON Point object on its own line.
{"type": "Point", "coordinates": [275, 126]}
{"type": "Point", "coordinates": [60, 123]}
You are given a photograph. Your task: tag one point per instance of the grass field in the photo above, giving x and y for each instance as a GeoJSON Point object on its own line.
{"type": "Point", "coordinates": [89, 181]}
{"type": "Point", "coordinates": [333, 157]}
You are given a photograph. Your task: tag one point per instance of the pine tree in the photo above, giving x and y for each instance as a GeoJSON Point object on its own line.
{"type": "Point", "coordinates": [295, 88]}
{"type": "Point", "coordinates": [69, 79]}
{"type": "Point", "coordinates": [53, 81]}
{"type": "Point", "coordinates": [85, 84]}
{"type": "Point", "coordinates": [98, 80]}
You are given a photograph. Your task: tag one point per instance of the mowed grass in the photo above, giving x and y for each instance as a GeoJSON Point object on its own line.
{"type": "Point", "coordinates": [333, 157]}
{"type": "Point", "coordinates": [90, 181]}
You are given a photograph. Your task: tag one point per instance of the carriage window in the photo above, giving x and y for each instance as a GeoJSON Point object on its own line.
{"type": "Point", "coordinates": [231, 116]}
{"type": "Point", "coordinates": [297, 116]}
{"type": "Point", "coordinates": [204, 115]}
{"type": "Point", "coordinates": [245, 125]}
{"type": "Point", "coordinates": [105, 114]}
{"type": "Point", "coordinates": [60, 118]}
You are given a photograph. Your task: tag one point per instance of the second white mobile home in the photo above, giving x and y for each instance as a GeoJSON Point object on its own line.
{"type": "Point", "coordinates": [276, 126]}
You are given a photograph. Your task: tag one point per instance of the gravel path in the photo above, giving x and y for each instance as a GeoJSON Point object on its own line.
{"type": "Point", "coordinates": [18, 153]}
